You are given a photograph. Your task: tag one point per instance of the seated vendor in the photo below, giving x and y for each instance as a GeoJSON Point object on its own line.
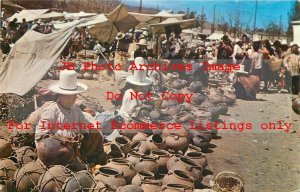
{"type": "Point", "coordinates": [65, 121]}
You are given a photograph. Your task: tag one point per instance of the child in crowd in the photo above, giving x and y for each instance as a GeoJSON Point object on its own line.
{"type": "Point", "coordinates": [281, 80]}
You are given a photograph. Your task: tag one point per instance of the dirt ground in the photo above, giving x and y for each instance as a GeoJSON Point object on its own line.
{"type": "Point", "coordinates": [268, 160]}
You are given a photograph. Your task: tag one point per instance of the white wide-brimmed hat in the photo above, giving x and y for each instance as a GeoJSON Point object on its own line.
{"type": "Point", "coordinates": [120, 35]}
{"type": "Point", "coordinates": [242, 70]}
{"type": "Point", "coordinates": [142, 42]}
{"type": "Point", "coordinates": [68, 84]}
{"type": "Point", "coordinates": [139, 76]}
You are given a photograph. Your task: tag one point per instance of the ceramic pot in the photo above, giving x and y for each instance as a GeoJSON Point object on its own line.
{"type": "Point", "coordinates": [162, 157]}
{"type": "Point", "coordinates": [176, 188]}
{"type": "Point", "coordinates": [155, 142]}
{"type": "Point", "coordinates": [192, 148]}
{"type": "Point", "coordinates": [146, 163]}
{"type": "Point", "coordinates": [178, 177]}
{"type": "Point", "coordinates": [134, 157]}
{"type": "Point", "coordinates": [176, 142]}
{"type": "Point", "coordinates": [123, 143]}
{"type": "Point", "coordinates": [123, 165]}
{"type": "Point", "coordinates": [172, 159]}
{"type": "Point", "coordinates": [139, 146]}
{"type": "Point", "coordinates": [142, 176]}
{"type": "Point", "coordinates": [140, 136]}
{"type": "Point", "coordinates": [189, 166]}
{"type": "Point", "coordinates": [201, 141]}
{"type": "Point", "coordinates": [151, 185]}
{"type": "Point", "coordinates": [110, 176]}
{"type": "Point", "coordinates": [198, 157]}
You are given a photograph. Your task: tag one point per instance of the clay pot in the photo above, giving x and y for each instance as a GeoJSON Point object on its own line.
{"type": "Point", "coordinates": [162, 157]}
{"type": "Point", "coordinates": [229, 99]}
{"type": "Point", "coordinates": [178, 177]}
{"type": "Point", "coordinates": [176, 142]}
{"type": "Point", "coordinates": [155, 142]}
{"type": "Point", "coordinates": [146, 163]}
{"type": "Point", "coordinates": [205, 133]}
{"type": "Point", "coordinates": [223, 109]}
{"type": "Point", "coordinates": [151, 185]}
{"type": "Point", "coordinates": [180, 132]}
{"type": "Point", "coordinates": [79, 76]}
{"type": "Point", "coordinates": [176, 188]}
{"type": "Point", "coordinates": [201, 141]}
{"type": "Point", "coordinates": [172, 110]}
{"type": "Point", "coordinates": [123, 165]}
{"type": "Point", "coordinates": [103, 187]}
{"type": "Point", "coordinates": [134, 157]}
{"type": "Point", "coordinates": [196, 86]}
{"type": "Point", "coordinates": [296, 105]}
{"type": "Point", "coordinates": [183, 117]}
{"type": "Point", "coordinates": [88, 75]}
{"type": "Point", "coordinates": [130, 133]}
{"type": "Point", "coordinates": [106, 147]}
{"type": "Point", "coordinates": [198, 99]}
{"type": "Point", "coordinates": [110, 176]}
{"type": "Point", "coordinates": [142, 176]}
{"type": "Point", "coordinates": [123, 143]}
{"type": "Point", "coordinates": [130, 188]}
{"type": "Point", "coordinates": [198, 157]}
{"type": "Point", "coordinates": [172, 160]}
{"type": "Point", "coordinates": [192, 148]}
{"type": "Point", "coordinates": [215, 99]}
{"type": "Point", "coordinates": [115, 152]}
{"type": "Point", "coordinates": [5, 148]}
{"type": "Point", "coordinates": [139, 146]}
{"type": "Point", "coordinates": [7, 168]}
{"type": "Point", "coordinates": [140, 136]}
{"type": "Point", "coordinates": [189, 166]}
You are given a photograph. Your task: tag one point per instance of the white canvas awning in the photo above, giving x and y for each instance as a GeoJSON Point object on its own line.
{"type": "Point", "coordinates": [160, 27]}
{"type": "Point", "coordinates": [28, 14]}
{"type": "Point", "coordinates": [51, 15]}
{"type": "Point", "coordinates": [74, 16]}
{"type": "Point", "coordinates": [215, 36]}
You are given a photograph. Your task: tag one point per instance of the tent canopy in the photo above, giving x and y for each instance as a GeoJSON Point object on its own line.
{"type": "Point", "coordinates": [79, 15]}
{"type": "Point", "coordinates": [28, 14]}
{"type": "Point", "coordinates": [34, 54]}
{"type": "Point", "coordinates": [52, 15]}
{"type": "Point", "coordinates": [119, 21]}
{"type": "Point", "coordinates": [215, 36]}
{"type": "Point", "coordinates": [160, 27]}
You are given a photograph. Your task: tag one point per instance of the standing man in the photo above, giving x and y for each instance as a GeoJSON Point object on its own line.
{"type": "Point", "coordinates": [292, 63]}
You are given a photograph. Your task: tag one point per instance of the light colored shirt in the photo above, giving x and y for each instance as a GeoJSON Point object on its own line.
{"type": "Point", "coordinates": [54, 114]}
{"type": "Point", "coordinates": [257, 58]}
{"type": "Point", "coordinates": [130, 105]}
{"type": "Point", "coordinates": [292, 63]}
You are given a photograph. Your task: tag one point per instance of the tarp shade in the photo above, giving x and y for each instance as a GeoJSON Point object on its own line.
{"type": "Point", "coordinates": [34, 54]}
{"type": "Point", "coordinates": [160, 27]}
{"type": "Point", "coordinates": [119, 20]}
{"type": "Point", "coordinates": [52, 14]}
{"type": "Point", "coordinates": [31, 57]}
{"type": "Point", "coordinates": [215, 36]}
{"type": "Point", "coordinates": [28, 14]}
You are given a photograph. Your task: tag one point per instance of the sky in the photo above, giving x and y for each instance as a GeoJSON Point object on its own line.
{"type": "Point", "coordinates": [267, 11]}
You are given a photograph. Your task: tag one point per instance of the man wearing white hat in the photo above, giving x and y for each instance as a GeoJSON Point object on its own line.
{"type": "Point", "coordinates": [63, 110]}
{"type": "Point", "coordinates": [138, 82]}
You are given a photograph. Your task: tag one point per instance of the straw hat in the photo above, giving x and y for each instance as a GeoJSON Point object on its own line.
{"type": "Point", "coordinates": [120, 35]}
{"type": "Point", "coordinates": [142, 42]}
{"type": "Point", "coordinates": [68, 84]}
{"type": "Point", "coordinates": [139, 76]}
{"type": "Point", "coordinates": [242, 70]}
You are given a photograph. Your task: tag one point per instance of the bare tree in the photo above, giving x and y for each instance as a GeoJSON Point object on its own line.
{"type": "Point", "coordinates": [223, 24]}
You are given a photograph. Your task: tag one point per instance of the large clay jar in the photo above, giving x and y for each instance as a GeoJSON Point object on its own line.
{"type": "Point", "coordinates": [151, 185]}
{"type": "Point", "coordinates": [201, 141]}
{"type": "Point", "coordinates": [192, 148]}
{"type": "Point", "coordinates": [180, 132]}
{"type": "Point", "coordinates": [110, 176]}
{"type": "Point", "coordinates": [172, 159]}
{"type": "Point", "coordinates": [146, 163]}
{"type": "Point", "coordinates": [130, 188]}
{"type": "Point", "coordinates": [176, 142]}
{"type": "Point", "coordinates": [5, 148]}
{"type": "Point", "coordinates": [198, 157]}
{"type": "Point", "coordinates": [134, 157]}
{"type": "Point", "coordinates": [7, 168]}
{"type": "Point", "coordinates": [155, 142]}
{"type": "Point", "coordinates": [142, 176]}
{"type": "Point", "coordinates": [139, 146]}
{"type": "Point", "coordinates": [196, 86]}
{"type": "Point", "coordinates": [123, 143]}
{"type": "Point", "coordinates": [106, 147]}
{"type": "Point", "coordinates": [178, 177]}
{"type": "Point", "coordinates": [189, 166]}
{"type": "Point", "coordinates": [176, 188]}
{"type": "Point", "coordinates": [123, 165]}
{"type": "Point", "coordinates": [140, 136]}
{"type": "Point", "coordinates": [162, 157]}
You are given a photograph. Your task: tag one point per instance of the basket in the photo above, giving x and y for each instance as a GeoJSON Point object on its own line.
{"type": "Point", "coordinates": [274, 63]}
{"type": "Point", "coordinates": [227, 181]}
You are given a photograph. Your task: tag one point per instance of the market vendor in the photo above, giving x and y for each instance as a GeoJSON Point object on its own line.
{"type": "Point", "coordinates": [64, 119]}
